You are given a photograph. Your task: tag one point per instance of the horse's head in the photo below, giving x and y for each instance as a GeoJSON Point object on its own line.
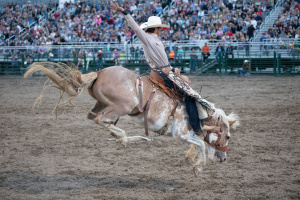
{"type": "Point", "coordinates": [217, 139]}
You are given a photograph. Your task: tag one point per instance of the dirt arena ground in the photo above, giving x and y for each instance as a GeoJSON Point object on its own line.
{"type": "Point", "coordinates": [74, 161]}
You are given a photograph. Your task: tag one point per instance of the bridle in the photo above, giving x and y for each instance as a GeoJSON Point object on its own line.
{"type": "Point", "coordinates": [216, 143]}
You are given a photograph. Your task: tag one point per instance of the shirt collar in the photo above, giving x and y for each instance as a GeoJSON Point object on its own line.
{"type": "Point", "coordinates": [154, 35]}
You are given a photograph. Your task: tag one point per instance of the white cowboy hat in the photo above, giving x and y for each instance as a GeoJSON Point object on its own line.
{"type": "Point", "coordinates": [152, 22]}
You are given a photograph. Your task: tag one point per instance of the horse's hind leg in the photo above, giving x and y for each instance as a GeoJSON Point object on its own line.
{"type": "Point", "coordinates": [108, 117]}
{"type": "Point", "coordinates": [117, 132]}
{"type": "Point", "coordinates": [98, 107]}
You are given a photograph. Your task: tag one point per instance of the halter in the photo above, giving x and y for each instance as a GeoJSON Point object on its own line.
{"type": "Point", "coordinates": [215, 144]}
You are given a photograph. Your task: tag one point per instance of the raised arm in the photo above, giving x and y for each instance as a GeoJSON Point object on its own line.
{"type": "Point", "coordinates": [131, 23]}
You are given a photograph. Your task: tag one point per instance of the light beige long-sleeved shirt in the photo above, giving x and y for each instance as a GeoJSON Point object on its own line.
{"type": "Point", "coordinates": [156, 57]}
{"type": "Point", "coordinates": [154, 49]}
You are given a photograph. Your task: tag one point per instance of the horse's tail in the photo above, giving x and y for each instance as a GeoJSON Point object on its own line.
{"type": "Point", "coordinates": [67, 78]}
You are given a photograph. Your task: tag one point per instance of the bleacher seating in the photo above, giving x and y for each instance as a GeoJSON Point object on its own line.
{"type": "Point", "coordinates": [85, 23]}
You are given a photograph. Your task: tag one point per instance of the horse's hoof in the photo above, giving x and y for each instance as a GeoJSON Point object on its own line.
{"type": "Point", "coordinates": [91, 116]}
{"type": "Point", "coordinates": [123, 141]}
{"type": "Point", "coordinates": [189, 160]}
{"type": "Point", "coordinates": [197, 170]}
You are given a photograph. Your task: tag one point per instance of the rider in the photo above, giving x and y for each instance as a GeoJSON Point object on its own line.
{"type": "Point", "coordinates": [158, 60]}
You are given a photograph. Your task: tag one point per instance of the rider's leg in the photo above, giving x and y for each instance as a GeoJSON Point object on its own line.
{"type": "Point", "coordinates": [192, 111]}
{"type": "Point", "coordinates": [185, 79]}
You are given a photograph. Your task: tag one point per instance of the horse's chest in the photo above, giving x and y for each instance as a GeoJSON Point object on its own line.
{"type": "Point", "coordinates": [159, 112]}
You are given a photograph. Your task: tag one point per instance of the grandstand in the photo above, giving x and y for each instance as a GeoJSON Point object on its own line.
{"type": "Point", "coordinates": [263, 32]}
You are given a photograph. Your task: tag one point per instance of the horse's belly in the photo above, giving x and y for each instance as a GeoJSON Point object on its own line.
{"type": "Point", "coordinates": [159, 111]}
{"type": "Point", "coordinates": [152, 125]}
{"type": "Point", "coordinates": [159, 120]}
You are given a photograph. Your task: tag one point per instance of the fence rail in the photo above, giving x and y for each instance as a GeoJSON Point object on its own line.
{"type": "Point", "coordinates": [260, 55]}
{"type": "Point", "coordinates": [285, 46]}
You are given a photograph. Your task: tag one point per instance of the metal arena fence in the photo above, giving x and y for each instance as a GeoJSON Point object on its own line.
{"type": "Point", "coordinates": [264, 57]}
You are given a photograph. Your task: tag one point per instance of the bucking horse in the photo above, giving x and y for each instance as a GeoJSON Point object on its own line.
{"type": "Point", "coordinates": [119, 91]}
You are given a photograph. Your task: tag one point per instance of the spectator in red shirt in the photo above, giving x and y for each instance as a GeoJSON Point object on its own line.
{"type": "Point", "coordinates": [56, 15]}
{"type": "Point", "coordinates": [259, 13]}
{"type": "Point", "coordinates": [128, 34]}
{"type": "Point", "coordinates": [111, 21]}
{"type": "Point", "coordinates": [229, 33]}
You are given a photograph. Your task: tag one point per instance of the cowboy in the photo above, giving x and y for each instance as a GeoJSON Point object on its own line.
{"type": "Point", "coordinates": [158, 60]}
{"type": "Point", "coordinates": [153, 48]}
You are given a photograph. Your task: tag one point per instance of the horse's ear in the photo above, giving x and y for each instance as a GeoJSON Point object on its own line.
{"type": "Point", "coordinates": [232, 122]}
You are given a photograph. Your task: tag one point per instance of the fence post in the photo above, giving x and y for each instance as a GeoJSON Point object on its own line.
{"type": "Point", "coordinates": [279, 64]}
{"type": "Point", "coordinates": [275, 63]}
{"type": "Point", "coordinates": [60, 53]}
{"type": "Point", "coordinates": [23, 64]}
{"type": "Point", "coordinates": [226, 64]}
{"type": "Point", "coordinates": [94, 64]}
{"type": "Point", "coordinates": [84, 63]}
{"type": "Point", "coordinates": [220, 64]}
{"type": "Point", "coordinates": [293, 66]}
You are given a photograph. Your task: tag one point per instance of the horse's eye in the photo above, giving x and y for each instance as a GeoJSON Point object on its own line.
{"type": "Point", "coordinates": [227, 137]}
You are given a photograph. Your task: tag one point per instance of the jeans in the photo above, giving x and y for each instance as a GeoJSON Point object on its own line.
{"type": "Point", "coordinates": [193, 63]}
{"type": "Point", "coordinates": [218, 56]}
{"type": "Point", "coordinates": [242, 71]}
{"type": "Point", "coordinates": [189, 101]}
{"type": "Point", "coordinates": [192, 111]}
{"type": "Point", "coordinates": [99, 64]}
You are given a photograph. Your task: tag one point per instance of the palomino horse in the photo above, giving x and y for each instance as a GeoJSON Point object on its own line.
{"type": "Point", "coordinates": [115, 92]}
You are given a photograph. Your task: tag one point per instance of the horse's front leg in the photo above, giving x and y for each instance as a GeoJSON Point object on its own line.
{"type": "Point", "coordinates": [196, 154]}
{"type": "Point", "coordinates": [191, 154]}
{"type": "Point", "coordinates": [180, 130]}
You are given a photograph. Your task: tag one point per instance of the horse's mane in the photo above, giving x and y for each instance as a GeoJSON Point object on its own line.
{"type": "Point", "coordinates": [219, 117]}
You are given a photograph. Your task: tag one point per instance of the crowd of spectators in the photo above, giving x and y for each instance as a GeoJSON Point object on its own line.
{"type": "Point", "coordinates": [233, 20]}
{"type": "Point", "coordinates": [17, 18]}
{"type": "Point", "coordinates": [83, 21]}
{"type": "Point", "coordinates": [89, 21]}
{"type": "Point", "coordinates": [285, 29]}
